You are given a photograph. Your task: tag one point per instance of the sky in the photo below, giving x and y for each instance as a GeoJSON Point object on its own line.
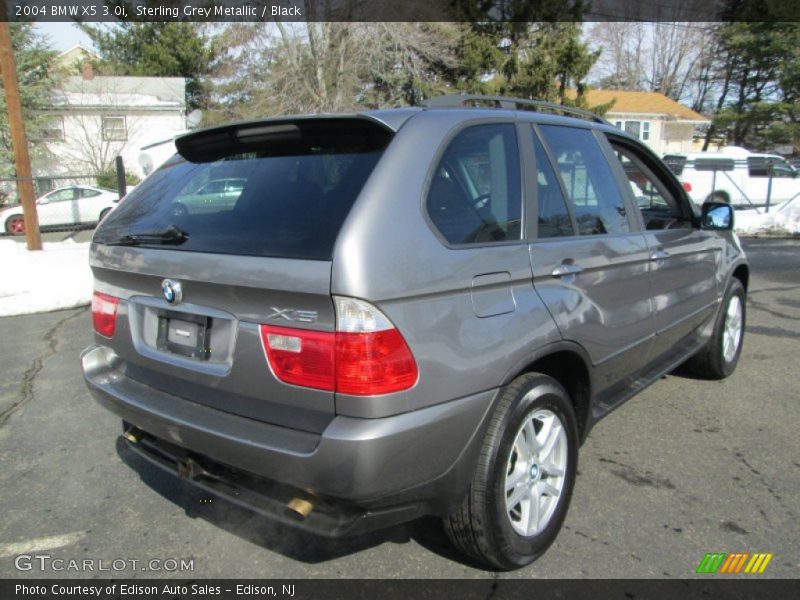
{"type": "Point", "coordinates": [63, 36]}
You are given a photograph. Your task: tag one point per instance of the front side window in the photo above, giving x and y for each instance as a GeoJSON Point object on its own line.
{"type": "Point", "coordinates": [659, 209]}
{"type": "Point", "coordinates": [588, 180]}
{"type": "Point", "coordinates": [114, 129]}
{"type": "Point", "coordinates": [62, 195]}
{"type": "Point", "coordinates": [475, 196]}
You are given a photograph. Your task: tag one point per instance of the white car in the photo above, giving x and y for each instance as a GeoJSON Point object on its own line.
{"type": "Point", "coordinates": [75, 205]}
{"type": "Point", "coordinates": [735, 175]}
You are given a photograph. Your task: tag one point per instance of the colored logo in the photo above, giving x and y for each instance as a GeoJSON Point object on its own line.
{"type": "Point", "coordinates": [735, 562]}
{"type": "Point", "coordinates": [172, 291]}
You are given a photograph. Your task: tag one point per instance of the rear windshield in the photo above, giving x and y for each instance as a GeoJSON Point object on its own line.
{"type": "Point", "coordinates": [285, 197]}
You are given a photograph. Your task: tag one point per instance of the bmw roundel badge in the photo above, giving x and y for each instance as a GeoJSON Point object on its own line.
{"type": "Point", "coordinates": [172, 291]}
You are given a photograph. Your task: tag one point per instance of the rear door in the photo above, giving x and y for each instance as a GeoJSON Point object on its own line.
{"type": "Point", "coordinates": [192, 304]}
{"type": "Point", "coordinates": [683, 259]}
{"type": "Point", "coordinates": [589, 258]}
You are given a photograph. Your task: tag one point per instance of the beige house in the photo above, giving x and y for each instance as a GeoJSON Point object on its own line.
{"type": "Point", "coordinates": [661, 123]}
{"type": "Point", "coordinates": [72, 60]}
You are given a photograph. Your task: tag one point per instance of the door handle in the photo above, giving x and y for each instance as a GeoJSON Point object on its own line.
{"type": "Point", "coordinates": [566, 269]}
{"type": "Point", "coordinates": [659, 254]}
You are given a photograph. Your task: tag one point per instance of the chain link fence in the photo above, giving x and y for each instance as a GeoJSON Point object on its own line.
{"type": "Point", "coordinates": [63, 203]}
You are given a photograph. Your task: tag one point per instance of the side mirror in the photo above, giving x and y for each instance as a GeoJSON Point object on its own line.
{"type": "Point", "coordinates": [717, 216]}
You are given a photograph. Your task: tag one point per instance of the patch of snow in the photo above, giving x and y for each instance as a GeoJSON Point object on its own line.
{"type": "Point", "coordinates": [54, 278]}
{"type": "Point", "coordinates": [781, 220]}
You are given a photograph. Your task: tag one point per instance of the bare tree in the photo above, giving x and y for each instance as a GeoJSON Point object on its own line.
{"type": "Point", "coordinates": [671, 58]}
{"type": "Point", "coordinates": [90, 142]}
{"type": "Point", "coordinates": [283, 68]}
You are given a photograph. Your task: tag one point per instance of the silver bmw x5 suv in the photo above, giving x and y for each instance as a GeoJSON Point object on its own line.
{"type": "Point", "coordinates": [405, 312]}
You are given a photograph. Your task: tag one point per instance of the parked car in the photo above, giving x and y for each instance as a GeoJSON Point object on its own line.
{"type": "Point", "coordinates": [735, 175]}
{"type": "Point", "coordinates": [64, 207]}
{"type": "Point", "coordinates": [406, 312]}
{"type": "Point", "coordinates": [212, 196]}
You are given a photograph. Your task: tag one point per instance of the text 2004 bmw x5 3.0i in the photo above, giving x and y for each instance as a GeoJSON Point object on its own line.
{"type": "Point", "coordinates": [405, 312]}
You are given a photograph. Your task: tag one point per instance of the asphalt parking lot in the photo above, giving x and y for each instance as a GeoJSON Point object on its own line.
{"type": "Point", "coordinates": [685, 468]}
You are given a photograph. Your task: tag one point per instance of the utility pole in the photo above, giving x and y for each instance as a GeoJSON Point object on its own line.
{"type": "Point", "coordinates": [19, 142]}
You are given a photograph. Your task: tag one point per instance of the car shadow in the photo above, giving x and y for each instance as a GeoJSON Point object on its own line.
{"type": "Point", "coordinates": [278, 537]}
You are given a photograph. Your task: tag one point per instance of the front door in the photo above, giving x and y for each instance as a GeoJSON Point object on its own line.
{"type": "Point", "coordinates": [683, 259]}
{"type": "Point", "coordinates": [589, 258]}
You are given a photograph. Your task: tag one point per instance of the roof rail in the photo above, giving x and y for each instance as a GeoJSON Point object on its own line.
{"type": "Point", "coordinates": [461, 100]}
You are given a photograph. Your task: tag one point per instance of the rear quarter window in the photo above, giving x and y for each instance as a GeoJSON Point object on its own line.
{"type": "Point", "coordinates": [475, 196]}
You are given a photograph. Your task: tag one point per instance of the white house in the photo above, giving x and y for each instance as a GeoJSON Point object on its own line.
{"type": "Point", "coordinates": [660, 122]}
{"type": "Point", "coordinates": [96, 118]}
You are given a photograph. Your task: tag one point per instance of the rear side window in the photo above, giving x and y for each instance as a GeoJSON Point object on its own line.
{"type": "Point", "coordinates": [281, 194]}
{"type": "Point", "coordinates": [554, 220]}
{"type": "Point", "coordinates": [475, 196]}
{"type": "Point", "coordinates": [588, 180]}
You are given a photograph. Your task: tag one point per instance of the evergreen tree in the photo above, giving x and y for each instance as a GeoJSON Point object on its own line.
{"type": "Point", "coordinates": [158, 49]}
{"type": "Point", "coordinates": [527, 49]}
{"type": "Point", "coordinates": [758, 77]}
{"type": "Point", "coordinates": [37, 77]}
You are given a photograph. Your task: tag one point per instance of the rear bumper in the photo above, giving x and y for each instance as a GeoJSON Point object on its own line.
{"type": "Point", "coordinates": [425, 458]}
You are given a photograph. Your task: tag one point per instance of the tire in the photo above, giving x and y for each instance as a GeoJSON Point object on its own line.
{"type": "Point", "coordinates": [179, 210]}
{"type": "Point", "coordinates": [719, 357]}
{"type": "Point", "coordinates": [490, 526]}
{"type": "Point", "coordinates": [15, 225]}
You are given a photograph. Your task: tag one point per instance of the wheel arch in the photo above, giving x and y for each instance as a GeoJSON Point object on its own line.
{"type": "Point", "coordinates": [742, 273]}
{"type": "Point", "coordinates": [567, 363]}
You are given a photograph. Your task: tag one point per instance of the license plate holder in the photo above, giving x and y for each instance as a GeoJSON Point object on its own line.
{"type": "Point", "coordinates": [183, 334]}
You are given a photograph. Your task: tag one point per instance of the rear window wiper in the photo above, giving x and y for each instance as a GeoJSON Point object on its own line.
{"type": "Point", "coordinates": [171, 235]}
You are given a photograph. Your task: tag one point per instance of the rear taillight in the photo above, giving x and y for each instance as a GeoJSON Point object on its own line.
{"type": "Point", "coordinates": [686, 186]}
{"type": "Point", "coordinates": [366, 356]}
{"type": "Point", "coordinates": [104, 313]}
{"type": "Point", "coordinates": [300, 356]}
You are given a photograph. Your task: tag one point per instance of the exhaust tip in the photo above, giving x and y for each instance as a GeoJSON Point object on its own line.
{"type": "Point", "coordinates": [133, 435]}
{"type": "Point", "coordinates": [300, 506]}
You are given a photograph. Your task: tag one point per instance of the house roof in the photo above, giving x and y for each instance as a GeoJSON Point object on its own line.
{"type": "Point", "coordinates": [122, 92]}
{"type": "Point", "coordinates": [627, 102]}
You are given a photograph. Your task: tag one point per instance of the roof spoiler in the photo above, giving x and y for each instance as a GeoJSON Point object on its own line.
{"type": "Point", "coordinates": [279, 136]}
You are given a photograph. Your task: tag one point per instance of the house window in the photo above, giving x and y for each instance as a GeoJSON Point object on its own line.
{"type": "Point", "coordinates": [114, 129]}
{"type": "Point", "coordinates": [638, 129]}
{"type": "Point", "coordinates": [53, 129]}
